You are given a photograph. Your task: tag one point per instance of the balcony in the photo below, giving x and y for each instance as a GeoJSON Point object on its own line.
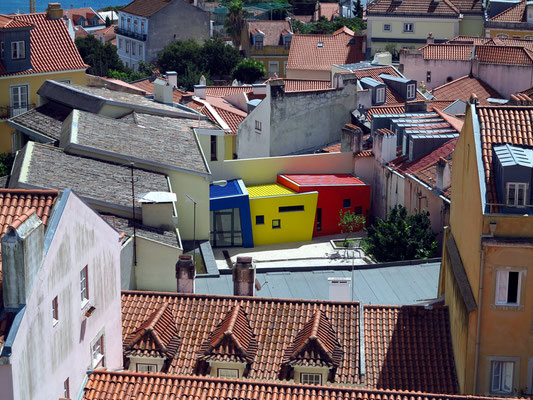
{"type": "Point", "coordinates": [10, 112]}
{"type": "Point", "coordinates": [131, 34]}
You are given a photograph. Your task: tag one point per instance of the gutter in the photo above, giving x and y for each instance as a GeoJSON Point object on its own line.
{"type": "Point", "coordinates": [11, 336]}
{"type": "Point", "coordinates": [39, 137]}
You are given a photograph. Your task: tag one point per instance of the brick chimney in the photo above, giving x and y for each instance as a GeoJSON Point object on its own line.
{"type": "Point", "coordinates": [243, 277]}
{"type": "Point", "coordinates": [54, 11]}
{"type": "Point", "coordinates": [172, 77]}
{"type": "Point", "coordinates": [351, 139]}
{"type": "Point", "coordinates": [444, 176]}
{"type": "Point", "coordinates": [384, 145]}
{"type": "Point", "coordinates": [199, 91]}
{"type": "Point", "coordinates": [185, 273]}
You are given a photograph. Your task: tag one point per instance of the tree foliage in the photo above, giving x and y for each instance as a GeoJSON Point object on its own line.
{"type": "Point", "coordinates": [401, 237]}
{"type": "Point", "coordinates": [6, 162]}
{"type": "Point", "coordinates": [235, 19]}
{"type": "Point", "coordinates": [249, 71]}
{"type": "Point", "coordinates": [323, 26]}
{"type": "Point", "coordinates": [126, 75]}
{"type": "Point", "coordinates": [101, 57]}
{"type": "Point", "coordinates": [350, 222]}
{"type": "Point", "coordinates": [358, 9]}
{"type": "Point", "coordinates": [191, 60]}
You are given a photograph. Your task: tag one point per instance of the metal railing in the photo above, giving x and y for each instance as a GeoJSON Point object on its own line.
{"type": "Point", "coordinates": [10, 112]}
{"type": "Point", "coordinates": [131, 34]}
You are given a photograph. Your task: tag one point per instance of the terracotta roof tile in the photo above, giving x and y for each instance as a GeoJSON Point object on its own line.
{"type": "Point", "coordinates": [334, 148]}
{"type": "Point", "coordinates": [223, 91]}
{"type": "Point", "coordinates": [87, 12]}
{"type": "Point", "coordinates": [400, 108]}
{"type": "Point", "coordinates": [462, 88]}
{"type": "Point", "coordinates": [306, 54]}
{"type": "Point", "coordinates": [485, 53]}
{"type": "Point", "coordinates": [277, 323]}
{"type": "Point", "coordinates": [271, 29]}
{"type": "Point", "coordinates": [329, 10]}
{"type": "Point", "coordinates": [447, 51]}
{"type": "Point", "coordinates": [145, 8]}
{"type": "Point", "coordinates": [469, 6]}
{"type": "Point", "coordinates": [495, 41]}
{"type": "Point", "coordinates": [8, 22]}
{"type": "Point", "coordinates": [302, 85]}
{"type": "Point", "coordinates": [52, 48]}
{"type": "Point", "coordinates": [148, 86]}
{"type": "Point", "coordinates": [517, 13]}
{"type": "Point", "coordinates": [107, 385]}
{"type": "Point", "coordinates": [413, 7]}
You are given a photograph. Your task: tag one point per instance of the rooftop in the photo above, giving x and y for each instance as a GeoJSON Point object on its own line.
{"type": "Point", "coordinates": [426, 364]}
{"type": "Point", "coordinates": [486, 53]}
{"type": "Point", "coordinates": [517, 13]}
{"type": "Point", "coordinates": [320, 52]}
{"type": "Point", "coordinates": [145, 8]}
{"type": "Point", "coordinates": [462, 88]}
{"type": "Point", "coordinates": [42, 166]}
{"type": "Point", "coordinates": [324, 180]}
{"type": "Point", "coordinates": [52, 48]}
{"type": "Point", "coordinates": [231, 188]}
{"type": "Point", "coordinates": [274, 189]}
{"type": "Point", "coordinates": [125, 225]}
{"type": "Point", "coordinates": [329, 10]}
{"type": "Point", "coordinates": [445, 8]}
{"type": "Point", "coordinates": [271, 29]}
{"type": "Point", "coordinates": [147, 85]}
{"type": "Point", "coordinates": [87, 12]}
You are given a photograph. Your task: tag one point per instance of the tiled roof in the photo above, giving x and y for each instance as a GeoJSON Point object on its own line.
{"type": "Point", "coordinates": [400, 108]}
{"type": "Point", "coordinates": [148, 86]}
{"type": "Point", "coordinates": [517, 13]}
{"type": "Point", "coordinates": [329, 10]}
{"type": "Point", "coordinates": [324, 179]}
{"type": "Point", "coordinates": [107, 385]}
{"type": "Point", "coordinates": [406, 347]}
{"type": "Point", "coordinates": [447, 51]}
{"type": "Point", "coordinates": [486, 53]}
{"type": "Point", "coordinates": [469, 40]}
{"type": "Point", "coordinates": [413, 7]}
{"type": "Point", "coordinates": [145, 8]}
{"type": "Point", "coordinates": [528, 44]}
{"type": "Point", "coordinates": [462, 88]}
{"type": "Point", "coordinates": [502, 125]}
{"type": "Point", "coordinates": [468, 6]}
{"type": "Point", "coordinates": [306, 54]}
{"type": "Point", "coordinates": [271, 29]}
{"type": "Point", "coordinates": [125, 225]}
{"type": "Point", "coordinates": [302, 85]}
{"type": "Point", "coordinates": [223, 91]}
{"type": "Point", "coordinates": [231, 115]}
{"type": "Point", "coordinates": [52, 48]}
{"type": "Point", "coordinates": [334, 148]}
{"type": "Point", "coordinates": [74, 13]}
{"type": "Point", "coordinates": [8, 22]}
{"type": "Point", "coordinates": [274, 189]}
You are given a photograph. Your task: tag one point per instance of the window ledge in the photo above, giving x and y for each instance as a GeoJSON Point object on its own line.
{"type": "Point", "coordinates": [507, 307]}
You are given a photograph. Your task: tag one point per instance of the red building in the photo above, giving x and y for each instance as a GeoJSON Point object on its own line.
{"type": "Point", "coordinates": [335, 192]}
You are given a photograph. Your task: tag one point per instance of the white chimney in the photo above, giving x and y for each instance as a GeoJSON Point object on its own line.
{"type": "Point", "coordinates": [444, 178]}
{"type": "Point", "coordinates": [163, 92]}
{"type": "Point", "coordinates": [199, 91]}
{"type": "Point", "coordinates": [340, 289]}
{"type": "Point", "coordinates": [172, 77]}
{"type": "Point", "coordinates": [158, 209]}
{"type": "Point", "coordinates": [185, 273]}
{"type": "Point", "coordinates": [259, 89]}
{"type": "Point", "coordinates": [384, 145]}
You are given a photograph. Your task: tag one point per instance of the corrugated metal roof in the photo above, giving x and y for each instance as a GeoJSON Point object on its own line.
{"type": "Point", "coordinates": [274, 189]}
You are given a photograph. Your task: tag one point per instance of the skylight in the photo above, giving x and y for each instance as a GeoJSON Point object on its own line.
{"type": "Point", "coordinates": [320, 44]}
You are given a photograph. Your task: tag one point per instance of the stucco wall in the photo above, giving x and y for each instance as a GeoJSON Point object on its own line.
{"type": "Point", "coordinates": [177, 21]}
{"type": "Point", "coordinates": [44, 355]}
{"type": "Point", "coordinates": [308, 74]}
{"type": "Point", "coordinates": [471, 25]}
{"type": "Point", "coordinates": [251, 142]}
{"type": "Point", "coordinates": [505, 79]}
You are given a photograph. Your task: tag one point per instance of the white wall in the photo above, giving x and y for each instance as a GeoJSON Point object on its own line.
{"type": "Point", "coordinates": [252, 143]}
{"type": "Point", "coordinates": [44, 355]}
{"type": "Point", "coordinates": [505, 79]}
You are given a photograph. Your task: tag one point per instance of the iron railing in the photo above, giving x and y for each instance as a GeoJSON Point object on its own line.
{"type": "Point", "coordinates": [131, 34]}
{"type": "Point", "coordinates": [10, 112]}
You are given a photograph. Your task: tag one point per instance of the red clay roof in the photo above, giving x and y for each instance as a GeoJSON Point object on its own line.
{"type": "Point", "coordinates": [447, 51]}
{"type": "Point", "coordinates": [502, 125]}
{"type": "Point", "coordinates": [8, 22]}
{"type": "Point", "coordinates": [223, 91]}
{"type": "Point", "coordinates": [495, 41]}
{"type": "Point", "coordinates": [148, 87]}
{"type": "Point", "coordinates": [517, 13]}
{"type": "Point", "coordinates": [400, 108]}
{"type": "Point", "coordinates": [303, 85]}
{"type": "Point", "coordinates": [462, 88]}
{"type": "Point", "coordinates": [468, 6]}
{"type": "Point", "coordinates": [127, 385]}
{"type": "Point", "coordinates": [145, 8]}
{"type": "Point", "coordinates": [324, 179]}
{"type": "Point", "coordinates": [52, 48]}
{"type": "Point", "coordinates": [487, 53]}
{"type": "Point", "coordinates": [424, 349]}
{"type": "Point", "coordinates": [329, 10]}
{"type": "Point", "coordinates": [413, 7]}
{"type": "Point", "coordinates": [271, 29]}
{"type": "Point", "coordinates": [74, 13]}
{"type": "Point", "coordinates": [305, 54]}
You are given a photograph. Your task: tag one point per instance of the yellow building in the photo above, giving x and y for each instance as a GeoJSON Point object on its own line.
{"type": "Point", "coordinates": [268, 42]}
{"type": "Point", "coordinates": [488, 250]}
{"type": "Point", "coordinates": [33, 48]}
{"type": "Point", "coordinates": [513, 23]}
{"type": "Point", "coordinates": [280, 215]}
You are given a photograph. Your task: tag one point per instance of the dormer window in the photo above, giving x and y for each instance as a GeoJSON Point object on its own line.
{"type": "Point", "coordinates": [310, 378]}
{"type": "Point", "coordinates": [516, 194]}
{"type": "Point", "coordinates": [288, 40]}
{"type": "Point", "coordinates": [18, 50]}
{"type": "Point", "coordinates": [411, 91]}
{"type": "Point", "coordinates": [380, 95]}
{"type": "Point", "coordinates": [259, 42]}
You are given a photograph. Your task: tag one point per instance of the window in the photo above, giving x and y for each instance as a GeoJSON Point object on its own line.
{"type": "Point", "coordinates": [122, 22]}
{"type": "Point", "coordinates": [318, 219]}
{"type": "Point", "coordinates": [285, 68]}
{"type": "Point", "coordinates": [135, 25]}
{"type": "Point", "coordinates": [273, 68]}
{"type": "Point", "coordinates": [55, 312]}
{"type": "Point", "coordinates": [259, 42]}
{"type": "Point", "coordinates": [142, 26]}
{"type": "Point", "coordinates": [120, 43]}
{"type": "Point", "coordinates": [411, 92]}
{"type": "Point", "coordinates": [66, 389]}
{"type": "Point", "coordinates": [408, 27]}
{"type": "Point", "coordinates": [386, 27]}
{"type": "Point", "coordinates": [516, 194]}
{"type": "Point", "coordinates": [140, 49]}
{"type": "Point", "coordinates": [257, 125]}
{"type": "Point", "coordinates": [517, 37]}
{"type": "Point", "coordinates": [97, 351]}
{"type": "Point", "coordinates": [84, 286]}
{"type": "Point", "coordinates": [508, 287]}
{"type": "Point", "coordinates": [291, 208]}
{"type": "Point", "coordinates": [528, 38]}
{"type": "Point", "coordinates": [19, 99]}
{"type": "Point", "coordinates": [346, 203]}
{"type": "Point", "coordinates": [276, 224]}
{"type": "Point", "coordinates": [18, 50]}
{"type": "Point", "coordinates": [320, 44]}
{"type": "Point", "coordinates": [2, 50]}
{"type": "Point", "coordinates": [127, 46]}
{"type": "Point", "coordinates": [288, 40]}
{"type": "Point", "coordinates": [146, 367]}
{"type": "Point", "coordinates": [380, 95]}
{"type": "Point", "coordinates": [311, 379]}
{"type": "Point", "coordinates": [358, 210]}
{"type": "Point", "coordinates": [428, 76]}
{"type": "Point", "coordinates": [259, 219]}
{"type": "Point", "coordinates": [502, 36]}
{"type": "Point", "coordinates": [227, 373]}
{"type": "Point", "coordinates": [133, 48]}
{"type": "Point", "coordinates": [213, 148]}
{"type": "Point", "coordinates": [129, 24]}
{"type": "Point", "coordinates": [502, 376]}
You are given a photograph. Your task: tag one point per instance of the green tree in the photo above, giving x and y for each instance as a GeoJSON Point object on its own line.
{"type": "Point", "coordinates": [6, 162]}
{"type": "Point", "coordinates": [218, 58]}
{"type": "Point", "coordinates": [401, 237]}
{"type": "Point", "coordinates": [101, 57]}
{"type": "Point", "coordinates": [249, 71]}
{"type": "Point", "coordinates": [350, 222]}
{"type": "Point", "coordinates": [235, 19]}
{"type": "Point", "coordinates": [358, 9]}
{"type": "Point", "coordinates": [107, 21]}
{"type": "Point", "coordinates": [127, 75]}
{"type": "Point", "coordinates": [323, 26]}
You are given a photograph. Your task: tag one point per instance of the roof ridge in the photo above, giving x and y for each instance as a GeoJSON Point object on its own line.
{"type": "Point", "coordinates": [452, 6]}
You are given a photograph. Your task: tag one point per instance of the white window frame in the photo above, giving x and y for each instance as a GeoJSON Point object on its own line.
{"type": "Point", "coordinates": [514, 187]}
{"type": "Point", "coordinates": [259, 44]}
{"type": "Point", "coordinates": [19, 99]}
{"type": "Point", "coordinates": [228, 373]}
{"type": "Point", "coordinates": [146, 367]}
{"type": "Point", "coordinates": [142, 26]}
{"type": "Point", "coordinates": [310, 378]}
{"type": "Point", "coordinates": [502, 36]}
{"type": "Point", "coordinates": [502, 287]}
{"type": "Point", "coordinates": [258, 125]}
{"type": "Point", "coordinates": [273, 64]}
{"type": "Point", "coordinates": [380, 95]}
{"type": "Point", "coordinates": [18, 50]}
{"type": "Point", "coordinates": [408, 25]}
{"type": "Point", "coordinates": [411, 91]}
{"type": "Point", "coordinates": [84, 285]}
{"type": "Point", "coordinates": [98, 351]}
{"type": "Point", "coordinates": [385, 28]}
{"type": "Point", "coordinates": [498, 375]}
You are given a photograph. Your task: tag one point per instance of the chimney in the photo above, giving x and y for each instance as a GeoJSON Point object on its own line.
{"type": "Point", "coordinates": [185, 273]}
{"type": "Point", "coordinates": [430, 39]}
{"type": "Point", "coordinates": [384, 145]}
{"type": "Point", "coordinates": [351, 139]}
{"type": "Point", "coordinates": [172, 77]}
{"type": "Point", "coordinates": [259, 89]}
{"type": "Point", "coordinates": [277, 87]}
{"type": "Point", "coordinates": [22, 251]}
{"type": "Point", "coordinates": [158, 209]}
{"type": "Point", "coordinates": [243, 277]}
{"type": "Point", "coordinates": [54, 11]}
{"type": "Point", "coordinates": [163, 92]}
{"type": "Point", "coordinates": [443, 175]}
{"type": "Point", "coordinates": [199, 91]}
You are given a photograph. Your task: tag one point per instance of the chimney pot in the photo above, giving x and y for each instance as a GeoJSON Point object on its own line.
{"type": "Point", "coordinates": [443, 173]}
{"type": "Point", "coordinates": [54, 11]}
{"type": "Point", "coordinates": [185, 273]}
{"type": "Point", "coordinates": [172, 77]}
{"type": "Point", "coordinates": [243, 277]}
